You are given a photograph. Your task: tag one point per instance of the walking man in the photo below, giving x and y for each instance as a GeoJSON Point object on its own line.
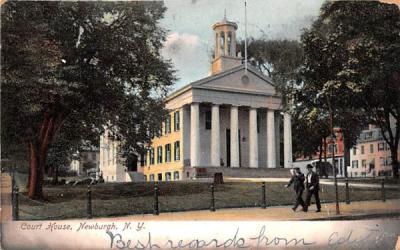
{"type": "Point", "coordinates": [312, 185]}
{"type": "Point", "coordinates": [298, 185]}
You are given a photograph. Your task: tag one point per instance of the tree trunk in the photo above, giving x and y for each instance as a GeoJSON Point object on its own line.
{"type": "Point", "coordinates": [320, 151]}
{"type": "Point", "coordinates": [325, 145]}
{"type": "Point", "coordinates": [56, 174]}
{"type": "Point", "coordinates": [38, 151]}
{"type": "Point", "coordinates": [33, 193]}
{"type": "Point", "coordinates": [395, 163]}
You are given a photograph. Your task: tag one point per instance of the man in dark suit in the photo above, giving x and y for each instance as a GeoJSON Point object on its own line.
{"type": "Point", "coordinates": [312, 185]}
{"type": "Point", "coordinates": [298, 184]}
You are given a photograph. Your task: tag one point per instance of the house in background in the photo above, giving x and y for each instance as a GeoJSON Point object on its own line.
{"type": "Point", "coordinates": [89, 158]}
{"type": "Point", "coordinates": [328, 148]}
{"type": "Point", "coordinates": [371, 156]}
{"type": "Point", "coordinates": [113, 167]}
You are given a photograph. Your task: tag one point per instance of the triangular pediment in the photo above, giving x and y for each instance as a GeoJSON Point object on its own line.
{"type": "Point", "coordinates": [232, 80]}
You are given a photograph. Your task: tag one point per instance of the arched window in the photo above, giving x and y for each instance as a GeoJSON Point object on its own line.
{"type": "Point", "coordinates": [216, 45]}
{"type": "Point", "coordinates": [229, 43]}
{"type": "Point", "coordinates": [222, 42]}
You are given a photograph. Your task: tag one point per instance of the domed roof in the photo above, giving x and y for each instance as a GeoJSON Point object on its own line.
{"type": "Point", "coordinates": [225, 22]}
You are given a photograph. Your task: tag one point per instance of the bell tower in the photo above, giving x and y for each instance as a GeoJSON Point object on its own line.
{"type": "Point", "coordinates": [225, 46]}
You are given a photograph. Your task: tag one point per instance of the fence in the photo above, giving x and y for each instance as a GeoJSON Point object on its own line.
{"type": "Point", "coordinates": [117, 199]}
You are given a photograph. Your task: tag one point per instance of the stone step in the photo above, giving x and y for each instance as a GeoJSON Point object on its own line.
{"type": "Point", "coordinates": [244, 172]}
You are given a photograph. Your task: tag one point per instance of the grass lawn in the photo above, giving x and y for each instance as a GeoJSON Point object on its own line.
{"type": "Point", "coordinates": [112, 199]}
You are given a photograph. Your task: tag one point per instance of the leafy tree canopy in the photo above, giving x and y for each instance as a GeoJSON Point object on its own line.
{"type": "Point", "coordinates": [74, 67]}
{"type": "Point", "coordinates": [351, 67]}
{"type": "Point", "coordinates": [278, 59]}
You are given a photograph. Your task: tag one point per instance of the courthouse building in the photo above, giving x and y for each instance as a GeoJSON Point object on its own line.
{"type": "Point", "coordinates": [227, 122]}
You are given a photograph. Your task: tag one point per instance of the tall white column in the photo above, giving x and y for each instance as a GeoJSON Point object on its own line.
{"type": "Point", "coordinates": [287, 140]}
{"type": "Point", "coordinates": [253, 140]}
{"type": "Point", "coordinates": [234, 137]}
{"type": "Point", "coordinates": [194, 135]}
{"type": "Point", "coordinates": [271, 150]}
{"type": "Point", "coordinates": [215, 137]}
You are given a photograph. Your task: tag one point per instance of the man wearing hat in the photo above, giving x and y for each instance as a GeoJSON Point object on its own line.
{"type": "Point", "coordinates": [298, 185]}
{"type": "Point", "coordinates": [312, 185]}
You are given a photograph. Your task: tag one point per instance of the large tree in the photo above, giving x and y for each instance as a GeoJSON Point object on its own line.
{"type": "Point", "coordinates": [279, 59]}
{"type": "Point", "coordinates": [81, 65]}
{"type": "Point", "coordinates": [352, 67]}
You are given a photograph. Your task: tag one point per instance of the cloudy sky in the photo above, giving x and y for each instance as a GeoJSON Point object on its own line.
{"type": "Point", "coordinates": [190, 40]}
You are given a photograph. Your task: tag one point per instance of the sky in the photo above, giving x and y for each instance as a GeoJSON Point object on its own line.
{"type": "Point", "coordinates": [190, 39]}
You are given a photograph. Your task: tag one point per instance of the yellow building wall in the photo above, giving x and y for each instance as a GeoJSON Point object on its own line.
{"type": "Point", "coordinates": [164, 139]}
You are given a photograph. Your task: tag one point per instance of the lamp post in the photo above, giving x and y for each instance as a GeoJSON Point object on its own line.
{"type": "Point", "coordinates": [333, 137]}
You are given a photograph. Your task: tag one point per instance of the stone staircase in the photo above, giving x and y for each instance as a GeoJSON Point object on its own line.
{"type": "Point", "coordinates": [244, 172]}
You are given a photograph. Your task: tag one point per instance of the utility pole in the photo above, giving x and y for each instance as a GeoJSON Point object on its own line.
{"type": "Point", "coordinates": [333, 137]}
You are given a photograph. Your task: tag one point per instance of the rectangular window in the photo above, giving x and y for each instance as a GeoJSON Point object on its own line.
{"type": "Point", "coordinates": [354, 151]}
{"type": "Point", "coordinates": [177, 124]}
{"type": "Point", "coordinates": [177, 151]}
{"type": "Point", "coordinates": [354, 164]}
{"type": "Point", "coordinates": [159, 176]}
{"type": "Point", "coordinates": [331, 148]}
{"type": "Point", "coordinates": [159, 132]}
{"type": "Point", "coordinates": [159, 154]}
{"type": "Point", "coordinates": [168, 176]}
{"type": "Point", "coordinates": [143, 159]}
{"type": "Point", "coordinates": [371, 148]}
{"type": "Point", "coordinates": [151, 156]}
{"type": "Point", "coordinates": [168, 153]}
{"type": "Point", "coordinates": [362, 149]}
{"type": "Point", "coordinates": [381, 146]}
{"type": "Point", "coordinates": [176, 175]}
{"type": "Point", "coordinates": [168, 124]}
{"type": "Point", "coordinates": [364, 163]}
{"type": "Point", "coordinates": [389, 161]}
{"type": "Point", "coordinates": [208, 120]}
{"type": "Point", "coordinates": [382, 161]}
{"type": "Point", "coordinates": [152, 177]}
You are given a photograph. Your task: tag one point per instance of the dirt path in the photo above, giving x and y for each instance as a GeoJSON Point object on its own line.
{"type": "Point", "coordinates": [5, 206]}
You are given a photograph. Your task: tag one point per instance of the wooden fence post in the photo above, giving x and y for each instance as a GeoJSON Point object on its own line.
{"type": "Point", "coordinates": [212, 207]}
{"type": "Point", "coordinates": [15, 205]}
{"type": "Point", "coordinates": [89, 213]}
{"type": "Point", "coordinates": [264, 199]}
{"type": "Point", "coordinates": [156, 210]}
{"type": "Point", "coordinates": [347, 191]}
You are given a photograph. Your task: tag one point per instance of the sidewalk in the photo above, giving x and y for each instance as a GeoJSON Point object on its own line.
{"type": "Point", "coordinates": [355, 210]}
{"type": "Point", "coordinates": [325, 182]}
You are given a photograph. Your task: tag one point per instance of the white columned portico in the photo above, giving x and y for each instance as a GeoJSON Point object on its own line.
{"type": "Point", "coordinates": [271, 151]}
{"type": "Point", "coordinates": [287, 140]}
{"type": "Point", "coordinates": [253, 141]}
{"type": "Point", "coordinates": [194, 134]}
{"type": "Point", "coordinates": [215, 137]}
{"type": "Point", "coordinates": [234, 137]}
